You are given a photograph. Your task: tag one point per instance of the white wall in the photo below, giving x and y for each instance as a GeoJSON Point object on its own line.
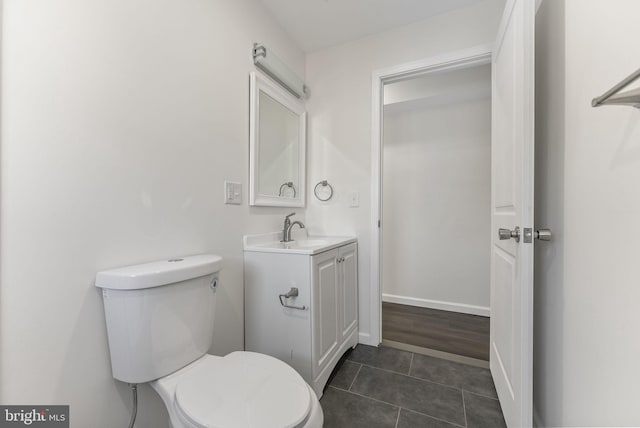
{"type": "Point", "coordinates": [588, 174]}
{"type": "Point", "coordinates": [438, 87]}
{"type": "Point", "coordinates": [436, 196]}
{"type": "Point", "coordinates": [121, 121]}
{"type": "Point", "coordinates": [339, 128]}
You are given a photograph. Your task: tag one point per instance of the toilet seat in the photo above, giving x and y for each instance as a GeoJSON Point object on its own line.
{"type": "Point", "coordinates": [243, 390]}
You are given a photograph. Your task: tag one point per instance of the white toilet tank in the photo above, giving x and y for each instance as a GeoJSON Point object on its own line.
{"type": "Point", "coordinates": [159, 315]}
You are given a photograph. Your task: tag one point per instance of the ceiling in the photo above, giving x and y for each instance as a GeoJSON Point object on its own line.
{"type": "Point", "coordinates": [317, 24]}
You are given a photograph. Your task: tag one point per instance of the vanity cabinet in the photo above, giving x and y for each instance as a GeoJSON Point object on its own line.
{"type": "Point", "coordinates": [317, 326]}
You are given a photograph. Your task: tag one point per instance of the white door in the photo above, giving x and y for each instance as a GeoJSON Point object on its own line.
{"type": "Point", "coordinates": [512, 209]}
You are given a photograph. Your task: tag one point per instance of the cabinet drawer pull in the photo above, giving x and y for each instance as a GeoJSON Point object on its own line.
{"type": "Point", "coordinates": [292, 293]}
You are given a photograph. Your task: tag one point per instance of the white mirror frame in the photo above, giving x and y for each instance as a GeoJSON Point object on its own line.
{"type": "Point", "coordinates": [260, 83]}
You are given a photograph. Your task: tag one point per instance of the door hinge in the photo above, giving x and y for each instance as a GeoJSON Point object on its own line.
{"type": "Point", "coordinates": [378, 224]}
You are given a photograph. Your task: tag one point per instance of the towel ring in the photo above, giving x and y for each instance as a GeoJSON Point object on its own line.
{"type": "Point", "coordinates": [323, 183]}
{"type": "Point", "coordinates": [284, 186]}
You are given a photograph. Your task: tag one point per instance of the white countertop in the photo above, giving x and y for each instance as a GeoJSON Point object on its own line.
{"type": "Point", "coordinates": [301, 243]}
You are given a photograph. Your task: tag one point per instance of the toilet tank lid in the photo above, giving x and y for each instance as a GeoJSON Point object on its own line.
{"type": "Point", "coordinates": [159, 273]}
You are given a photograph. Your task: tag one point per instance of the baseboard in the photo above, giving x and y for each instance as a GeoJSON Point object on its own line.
{"type": "Point", "coordinates": [437, 304]}
{"type": "Point", "coordinates": [365, 339]}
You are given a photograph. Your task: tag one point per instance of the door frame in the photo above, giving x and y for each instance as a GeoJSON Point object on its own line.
{"type": "Point", "coordinates": [478, 55]}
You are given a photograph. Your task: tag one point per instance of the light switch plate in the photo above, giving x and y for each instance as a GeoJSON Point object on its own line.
{"type": "Point", "coordinates": [232, 193]}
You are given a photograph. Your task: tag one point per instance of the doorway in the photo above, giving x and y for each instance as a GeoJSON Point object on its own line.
{"type": "Point", "coordinates": [431, 114]}
{"type": "Point", "coordinates": [436, 186]}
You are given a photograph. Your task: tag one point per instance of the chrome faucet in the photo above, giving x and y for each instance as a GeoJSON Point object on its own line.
{"type": "Point", "coordinates": [288, 225]}
{"type": "Point", "coordinates": [287, 237]}
{"type": "Point", "coordinates": [285, 228]}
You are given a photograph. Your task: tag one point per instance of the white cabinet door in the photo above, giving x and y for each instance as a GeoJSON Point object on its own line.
{"type": "Point", "coordinates": [348, 268]}
{"type": "Point", "coordinates": [325, 308]}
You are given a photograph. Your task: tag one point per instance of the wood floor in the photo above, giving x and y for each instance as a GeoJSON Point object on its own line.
{"type": "Point", "coordinates": [451, 332]}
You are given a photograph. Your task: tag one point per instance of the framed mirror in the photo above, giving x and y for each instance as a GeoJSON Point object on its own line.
{"type": "Point", "coordinates": [277, 134]}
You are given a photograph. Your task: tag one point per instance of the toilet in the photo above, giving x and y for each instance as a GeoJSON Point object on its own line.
{"type": "Point", "coordinates": [160, 319]}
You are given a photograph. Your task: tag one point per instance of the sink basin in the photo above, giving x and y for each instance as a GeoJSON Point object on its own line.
{"type": "Point", "coordinates": [301, 243]}
{"type": "Point", "coordinates": [307, 243]}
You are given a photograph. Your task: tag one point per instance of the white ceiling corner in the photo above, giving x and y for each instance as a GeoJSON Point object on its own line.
{"type": "Point", "coordinates": [317, 24]}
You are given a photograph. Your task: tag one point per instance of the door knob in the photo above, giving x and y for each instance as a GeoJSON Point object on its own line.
{"type": "Point", "coordinates": [543, 234]}
{"type": "Point", "coordinates": [508, 234]}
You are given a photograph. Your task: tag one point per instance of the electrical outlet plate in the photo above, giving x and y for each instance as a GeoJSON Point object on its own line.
{"type": "Point", "coordinates": [354, 199]}
{"type": "Point", "coordinates": [232, 193]}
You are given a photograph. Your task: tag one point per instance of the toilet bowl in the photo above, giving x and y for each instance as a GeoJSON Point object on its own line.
{"type": "Point", "coordinates": [159, 320]}
{"type": "Point", "coordinates": [241, 389]}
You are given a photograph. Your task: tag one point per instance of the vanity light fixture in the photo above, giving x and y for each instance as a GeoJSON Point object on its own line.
{"type": "Point", "coordinates": [278, 71]}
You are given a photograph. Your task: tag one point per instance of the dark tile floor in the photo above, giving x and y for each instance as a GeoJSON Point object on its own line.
{"type": "Point", "coordinates": [385, 387]}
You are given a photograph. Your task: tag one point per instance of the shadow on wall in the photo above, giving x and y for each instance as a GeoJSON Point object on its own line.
{"type": "Point", "coordinates": [549, 298]}
{"type": "Point", "coordinates": [628, 151]}
{"type": "Point", "coordinates": [80, 363]}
